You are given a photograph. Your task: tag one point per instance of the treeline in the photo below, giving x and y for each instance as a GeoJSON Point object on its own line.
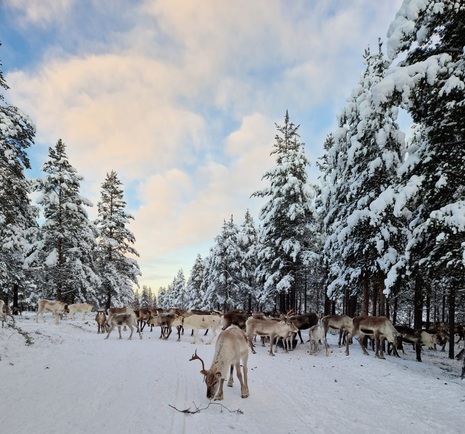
{"type": "Point", "coordinates": [51, 249]}
{"type": "Point", "coordinates": [384, 232]}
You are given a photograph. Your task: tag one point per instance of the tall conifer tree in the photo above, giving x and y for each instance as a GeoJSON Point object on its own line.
{"type": "Point", "coordinates": [118, 271]}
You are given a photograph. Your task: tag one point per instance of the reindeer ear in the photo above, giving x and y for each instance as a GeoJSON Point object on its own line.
{"type": "Point", "coordinates": [204, 372]}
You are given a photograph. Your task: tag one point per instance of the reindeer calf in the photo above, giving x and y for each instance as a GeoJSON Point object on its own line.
{"type": "Point", "coordinates": [101, 320]}
{"type": "Point", "coordinates": [316, 335]}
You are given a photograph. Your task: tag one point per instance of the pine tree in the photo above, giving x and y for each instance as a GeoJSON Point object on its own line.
{"type": "Point", "coordinates": [17, 214]}
{"type": "Point", "coordinates": [66, 248]}
{"type": "Point", "coordinates": [284, 219]}
{"type": "Point", "coordinates": [118, 271]}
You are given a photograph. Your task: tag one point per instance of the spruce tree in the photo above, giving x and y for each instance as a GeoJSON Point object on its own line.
{"type": "Point", "coordinates": [118, 271]}
{"type": "Point", "coordinates": [365, 237]}
{"type": "Point", "coordinates": [194, 290]}
{"type": "Point", "coordinates": [284, 220]}
{"type": "Point", "coordinates": [247, 243]}
{"type": "Point", "coordinates": [429, 39]}
{"type": "Point", "coordinates": [223, 291]}
{"type": "Point", "coordinates": [17, 214]}
{"type": "Point", "coordinates": [66, 248]}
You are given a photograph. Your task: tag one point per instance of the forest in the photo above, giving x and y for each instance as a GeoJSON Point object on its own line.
{"type": "Point", "coordinates": [381, 233]}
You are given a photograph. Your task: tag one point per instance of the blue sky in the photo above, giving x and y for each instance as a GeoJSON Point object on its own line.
{"type": "Point", "coordinates": [180, 98]}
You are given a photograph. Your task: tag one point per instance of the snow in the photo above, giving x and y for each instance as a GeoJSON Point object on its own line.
{"type": "Point", "coordinates": [72, 380]}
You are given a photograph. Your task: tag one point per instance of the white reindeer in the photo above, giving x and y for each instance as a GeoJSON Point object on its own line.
{"type": "Point", "coordinates": [316, 334]}
{"type": "Point", "coordinates": [231, 349]}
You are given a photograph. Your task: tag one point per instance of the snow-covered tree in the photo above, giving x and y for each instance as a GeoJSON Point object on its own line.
{"type": "Point", "coordinates": [66, 248]}
{"type": "Point", "coordinates": [223, 291]}
{"type": "Point", "coordinates": [17, 214]}
{"type": "Point", "coordinates": [284, 220]}
{"type": "Point", "coordinates": [178, 295]}
{"type": "Point", "coordinates": [429, 39]}
{"type": "Point", "coordinates": [247, 243]}
{"type": "Point", "coordinates": [118, 271]}
{"type": "Point", "coordinates": [364, 237]}
{"type": "Point", "coordinates": [194, 292]}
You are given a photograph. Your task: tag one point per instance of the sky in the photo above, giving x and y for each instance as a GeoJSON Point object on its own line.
{"type": "Point", "coordinates": [72, 380]}
{"type": "Point", "coordinates": [181, 98]}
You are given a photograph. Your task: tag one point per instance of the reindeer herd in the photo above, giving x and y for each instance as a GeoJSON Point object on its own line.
{"type": "Point", "coordinates": [239, 331]}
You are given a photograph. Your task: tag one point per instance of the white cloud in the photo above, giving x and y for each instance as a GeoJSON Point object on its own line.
{"type": "Point", "coordinates": [180, 99]}
{"type": "Point", "coordinates": [40, 12]}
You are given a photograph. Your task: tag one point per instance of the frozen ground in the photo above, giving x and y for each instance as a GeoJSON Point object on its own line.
{"type": "Point", "coordinates": [68, 379]}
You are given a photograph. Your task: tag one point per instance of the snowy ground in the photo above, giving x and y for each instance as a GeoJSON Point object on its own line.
{"type": "Point", "coordinates": [68, 379]}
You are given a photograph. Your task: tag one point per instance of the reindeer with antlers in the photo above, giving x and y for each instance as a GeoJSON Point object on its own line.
{"type": "Point", "coordinates": [231, 349]}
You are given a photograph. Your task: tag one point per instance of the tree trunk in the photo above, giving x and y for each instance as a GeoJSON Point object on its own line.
{"type": "Point", "coordinates": [382, 298]}
{"type": "Point", "coordinates": [352, 306]}
{"type": "Point", "coordinates": [375, 301]}
{"type": "Point", "coordinates": [451, 321]}
{"type": "Point", "coordinates": [366, 295]}
{"type": "Point", "coordinates": [418, 303]}
{"type": "Point", "coordinates": [15, 297]}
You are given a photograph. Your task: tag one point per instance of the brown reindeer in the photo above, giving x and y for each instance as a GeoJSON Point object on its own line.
{"type": "Point", "coordinates": [101, 320]}
{"type": "Point", "coordinates": [231, 349]}
{"type": "Point", "coordinates": [378, 328]}
{"type": "Point", "coordinates": [303, 322]}
{"type": "Point", "coordinates": [343, 323]}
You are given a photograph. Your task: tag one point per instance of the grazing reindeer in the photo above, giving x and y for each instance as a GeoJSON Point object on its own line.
{"type": "Point", "coordinates": [303, 322]}
{"type": "Point", "coordinates": [417, 338]}
{"type": "Point", "coordinates": [377, 327]}
{"type": "Point", "coordinates": [231, 349]}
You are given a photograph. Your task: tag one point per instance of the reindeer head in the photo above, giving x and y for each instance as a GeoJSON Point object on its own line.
{"type": "Point", "coordinates": [212, 377]}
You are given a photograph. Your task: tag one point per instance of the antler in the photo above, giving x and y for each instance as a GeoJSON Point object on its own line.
{"type": "Point", "coordinates": [195, 356]}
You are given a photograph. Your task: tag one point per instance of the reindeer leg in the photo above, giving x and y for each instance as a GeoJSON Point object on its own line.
{"type": "Point", "coordinates": [231, 378]}
{"type": "Point", "coordinates": [272, 337]}
{"type": "Point", "coordinates": [213, 335]}
{"type": "Point", "coordinates": [360, 341]}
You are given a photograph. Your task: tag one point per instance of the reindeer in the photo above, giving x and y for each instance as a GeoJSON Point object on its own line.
{"type": "Point", "coordinates": [58, 308]}
{"type": "Point", "coordinates": [303, 322]}
{"type": "Point", "coordinates": [343, 323]}
{"type": "Point", "coordinates": [230, 350]}
{"type": "Point", "coordinates": [316, 334]}
{"type": "Point", "coordinates": [120, 319]}
{"type": "Point", "coordinates": [377, 327]}
{"type": "Point", "coordinates": [268, 327]}
{"type": "Point", "coordinates": [4, 312]}
{"type": "Point", "coordinates": [417, 338]}
{"type": "Point", "coordinates": [101, 320]}
{"type": "Point", "coordinates": [236, 317]}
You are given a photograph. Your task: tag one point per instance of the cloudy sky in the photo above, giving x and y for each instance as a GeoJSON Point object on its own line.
{"type": "Point", "coordinates": [181, 98]}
